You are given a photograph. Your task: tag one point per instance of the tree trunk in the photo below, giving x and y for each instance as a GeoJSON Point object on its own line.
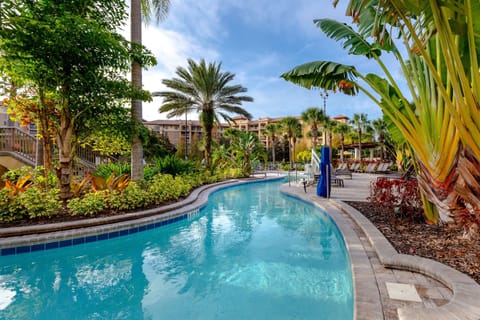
{"type": "Point", "coordinates": [44, 129]}
{"type": "Point", "coordinates": [458, 197]}
{"type": "Point", "coordinates": [65, 144]}
{"type": "Point", "coordinates": [273, 150]}
{"type": "Point", "coordinates": [314, 137]}
{"type": "Point", "coordinates": [360, 145]}
{"type": "Point", "coordinates": [136, 111]}
{"type": "Point", "coordinates": [342, 148]}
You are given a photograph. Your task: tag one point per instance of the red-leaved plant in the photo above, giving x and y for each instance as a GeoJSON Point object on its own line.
{"type": "Point", "coordinates": [401, 197]}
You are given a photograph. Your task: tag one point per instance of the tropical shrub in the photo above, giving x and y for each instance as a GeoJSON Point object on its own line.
{"type": "Point", "coordinates": [19, 186]}
{"type": "Point", "coordinates": [36, 176]}
{"type": "Point", "coordinates": [88, 205]}
{"type": "Point", "coordinates": [39, 203]}
{"type": "Point", "coordinates": [132, 197]}
{"type": "Point", "coordinates": [172, 165]}
{"type": "Point", "coordinates": [230, 173]}
{"type": "Point", "coordinates": [79, 188]}
{"type": "Point", "coordinates": [106, 170]}
{"type": "Point", "coordinates": [10, 207]}
{"type": "Point", "coordinates": [165, 188]}
{"type": "Point", "coordinates": [401, 197]}
{"type": "Point", "coordinates": [113, 182]}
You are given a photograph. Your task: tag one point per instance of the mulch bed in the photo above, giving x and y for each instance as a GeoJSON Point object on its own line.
{"type": "Point", "coordinates": [445, 244]}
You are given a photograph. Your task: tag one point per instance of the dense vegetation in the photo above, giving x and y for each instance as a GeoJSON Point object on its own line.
{"type": "Point", "coordinates": [27, 195]}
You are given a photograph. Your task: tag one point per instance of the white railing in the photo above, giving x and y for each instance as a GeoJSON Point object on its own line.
{"type": "Point", "coordinates": [314, 165]}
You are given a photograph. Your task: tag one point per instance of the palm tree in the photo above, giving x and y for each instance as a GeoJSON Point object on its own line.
{"type": "Point", "coordinates": [328, 126]}
{"type": "Point", "coordinates": [359, 122]}
{"type": "Point", "coordinates": [293, 129]}
{"type": "Point", "coordinates": [247, 147]}
{"type": "Point", "coordinates": [204, 88]}
{"type": "Point", "coordinates": [160, 9]}
{"type": "Point", "coordinates": [380, 127]}
{"type": "Point", "coordinates": [314, 117]}
{"type": "Point", "coordinates": [342, 129]}
{"type": "Point", "coordinates": [440, 121]}
{"type": "Point", "coordinates": [270, 131]}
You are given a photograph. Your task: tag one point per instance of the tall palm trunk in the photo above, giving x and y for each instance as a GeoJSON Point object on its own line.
{"type": "Point", "coordinates": [136, 111]}
{"type": "Point", "coordinates": [273, 150]}
{"type": "Point", "coordinates": [314, 137]}
{"type": "Point", "coordinates": [342, 142]}
{"type": "Point", "coordinates": [360, 144]}
{"type": "Point", "coordinates": [207, 119]}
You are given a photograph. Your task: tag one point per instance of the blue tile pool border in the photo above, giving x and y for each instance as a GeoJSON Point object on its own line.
{"type": "Point", "coordinates": [97, 237]}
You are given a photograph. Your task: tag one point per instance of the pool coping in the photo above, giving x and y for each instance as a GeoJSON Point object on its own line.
{"type": "Point", "coordinates": [462, 306]}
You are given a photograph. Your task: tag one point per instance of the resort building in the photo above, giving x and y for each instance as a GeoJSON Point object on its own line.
{"type": "Point", "coordinates": [180, 131]}
{"type": "Point", "coordinates": [176, 130]}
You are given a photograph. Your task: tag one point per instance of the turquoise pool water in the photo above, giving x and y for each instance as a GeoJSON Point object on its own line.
{"type": "Point", "coordinates": [251, 253]}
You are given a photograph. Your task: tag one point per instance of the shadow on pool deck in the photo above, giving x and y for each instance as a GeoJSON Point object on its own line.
{"type": "Point", "coordinates": [389, 285]}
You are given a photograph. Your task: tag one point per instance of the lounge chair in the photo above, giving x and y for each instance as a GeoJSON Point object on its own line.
{"type": "Point", "coordinates": [370, 168]}
{"type": "Point", "coordinates": [342, 170]}
{"type": "Point", "coordinates": [355, 167]}
{"type": "Point", "coordinates": [384, 167]}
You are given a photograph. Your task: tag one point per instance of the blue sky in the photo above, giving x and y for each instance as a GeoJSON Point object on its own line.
{"type": "Point", "coordinates": [257, 40]}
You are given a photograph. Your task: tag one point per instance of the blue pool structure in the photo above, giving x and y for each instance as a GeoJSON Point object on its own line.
{"type": "Point", "coordinates": [250, 253]}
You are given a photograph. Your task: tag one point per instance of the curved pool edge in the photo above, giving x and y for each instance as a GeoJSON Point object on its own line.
{"type": "Point", "coordinates": [367, 303]}
{"type": "Point", "coordinates": [366, 296]}
{"type": "Point", "coordinates": [17, 240]}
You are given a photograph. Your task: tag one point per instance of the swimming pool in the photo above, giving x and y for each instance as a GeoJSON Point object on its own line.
{"type": "Point", "coordinates": [251, 253]}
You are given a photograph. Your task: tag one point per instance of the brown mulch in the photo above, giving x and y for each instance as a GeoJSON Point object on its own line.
{"type": "Point", "coordinates": [445, 244]}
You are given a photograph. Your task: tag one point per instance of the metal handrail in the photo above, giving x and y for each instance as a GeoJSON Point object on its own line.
{"type": "Point", "coordinates": [14, 140]}
{"type": "Point", "coordinates": [24, 146]}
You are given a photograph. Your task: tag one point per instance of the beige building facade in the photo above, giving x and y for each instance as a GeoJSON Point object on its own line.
{"type": "Point", "coordinates": [176, 130]}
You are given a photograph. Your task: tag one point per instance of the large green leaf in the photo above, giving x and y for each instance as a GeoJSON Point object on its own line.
{"type": "Point", "coordinates": [354, 42]}
{"type": "Point", "coordinates": [325, 75]}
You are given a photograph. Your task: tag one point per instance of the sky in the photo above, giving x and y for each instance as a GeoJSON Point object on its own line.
{"type": "Point", "coordinates": [257, 40]}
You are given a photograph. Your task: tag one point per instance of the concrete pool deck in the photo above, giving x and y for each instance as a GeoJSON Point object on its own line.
{"type": "Point", "coordinates": [388, 285]}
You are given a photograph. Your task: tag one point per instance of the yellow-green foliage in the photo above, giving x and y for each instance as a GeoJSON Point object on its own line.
{"type": "Point", "coordinates": [132, 197]}
{"type": "Point", "coordinates": [89, 205]}
{"type": "Point", "coordinates": [231, 173]}
{"type": "Point", "coordinates": [10, 207]}
{"type": "Point", "coordinates": [164, 188]}
{"type": "Point", "coordinates": [32, 202]}
{"type": "Point", "coordinates": [38, 203]}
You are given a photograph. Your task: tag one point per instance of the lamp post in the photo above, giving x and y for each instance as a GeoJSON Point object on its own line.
{"type": "Point", "coordinates": [324, 95]}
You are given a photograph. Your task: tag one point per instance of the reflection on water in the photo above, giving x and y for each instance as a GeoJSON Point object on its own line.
{"type": "Point", "coordinates": [251, 253]}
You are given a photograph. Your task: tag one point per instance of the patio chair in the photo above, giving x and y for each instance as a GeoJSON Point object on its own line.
{"type": "Point", "coordinates": [384, 167]}
{"type": "Point", "coordinates": [370, 168]}
{"type": "Point", "coordinates": [342, 171]}
{"type": "Point", "coordinates": [355, 167]}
